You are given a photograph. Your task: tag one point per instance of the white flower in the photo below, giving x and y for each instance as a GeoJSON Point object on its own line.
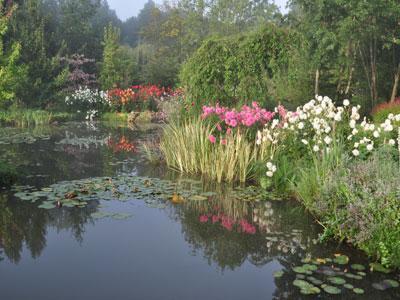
{"type": "Point", "coordinates": [356, 152]}
{"type": "Point", "coordinates": [327, 140]}
{"type": "Point", "coordinates": [270, 174]}
{"type": "Point", "coordinates": [305, 142]}
{"type": "Point", "coordinates": [356, 145]}
{"type": "Point", "coordinates": [346, 102]}
{"type": "Point", "coordinates": [316, 148]}
{"type": "Point", "coordinates": [392, 142]}
{"type": "Point", "coordinates": [269, 165]}
{"type": "Point", "coordinates": [300, 125]}
{"type": "Point", "coordinates": [376, 134]}
{"type": "Point", "coordinates": [370, 147]}
{"type": "Point", "coordinates": [352, 124]}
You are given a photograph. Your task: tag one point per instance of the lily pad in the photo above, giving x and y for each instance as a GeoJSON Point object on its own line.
{"type": "Point", "coordinates": [348, 286]}
{"type": "Point", "coordinates": [341, 259]}
{"type": "Point", "coordinates": [278, 274]}
{"type": "Point", "coordinates": [358, 267]}
{"type": "Point", "coordinates": [47, 205]}
{"type": "Point", "coordinates": [336, 280]}
{"type": "Point", "coordinates": [392, 283]}
{"type": "Point", "coordinates": [358, 291]}
{"type": "Point", "coordinates": [331, 290]}
{"type": "Point", "coordinates": [379, 268]}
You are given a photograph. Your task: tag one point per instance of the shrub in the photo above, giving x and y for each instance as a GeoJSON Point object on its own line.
{"type": "Point", "coordinates": [383, 110]}
{"type": "Point", "coordinates": [87, 101]}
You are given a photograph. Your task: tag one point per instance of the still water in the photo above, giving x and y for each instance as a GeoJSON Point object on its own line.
{"type": "Point", "coordinates": [219, 248]}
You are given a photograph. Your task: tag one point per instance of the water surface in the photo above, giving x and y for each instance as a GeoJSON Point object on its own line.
{"type": "Point", "coordinates": [215, 249]}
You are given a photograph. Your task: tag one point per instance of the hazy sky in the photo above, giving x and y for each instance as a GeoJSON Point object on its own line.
{"type": "Point", "coordinates": [129, 8]}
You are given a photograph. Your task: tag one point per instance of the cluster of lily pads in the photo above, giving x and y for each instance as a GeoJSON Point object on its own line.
{"type": "Point", "coordinates": [332, 275]}
{"type": "Point", "coordinates": [79, 193]}
{"type": "Point", "coordinates": [21, 138]}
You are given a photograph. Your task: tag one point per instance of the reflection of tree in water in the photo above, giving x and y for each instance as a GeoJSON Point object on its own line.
{"type": "Point", "coordinates": [229, 232]}
{"type": "Point", "coordinates": [23, 223]}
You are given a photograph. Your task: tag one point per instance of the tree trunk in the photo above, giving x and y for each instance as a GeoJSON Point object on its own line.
{"type": "Point", "coordinates": [396, 84]}
{"type": "Point", "coordinates": [316, 89]}
{"type": "Point", "coordinates": [347, 91]}
{"type": "Point", "coordinates": [372, 53]}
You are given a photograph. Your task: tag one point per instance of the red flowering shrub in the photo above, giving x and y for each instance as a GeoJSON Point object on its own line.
{"type": "Point", "coordinates": [381, 111]}
{"type": "Point", "coordinates": [140, 97]}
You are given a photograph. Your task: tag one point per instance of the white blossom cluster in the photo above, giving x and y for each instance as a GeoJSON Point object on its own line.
{"type": "Point", "coordinates": [366, 135]}
{"type": "Point", "coordinates": [314, 125]}
{"type": "Point", "coordinates": [88, 100]}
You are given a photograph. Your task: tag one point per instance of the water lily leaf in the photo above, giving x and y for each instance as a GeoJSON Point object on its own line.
{"type": "Point", "coordinates": [278, 274]}
{"type": "Point", "coordinates": [348, 286]}
{"type": "Point", "coordinates": [353, 276]}
{"type": "Point", "coordinates": [358, 291]}
{"type": "Point", "coordinates": [337, 280]}
{"type": "Point", "coordinates": [358, 267]}
{"type": "Point", "coordinates": [314, 280]}
{"type": "Point", "coordinates": [390, 282]}
{"type": "Point", "coordinates": [47, 205]}
{"type": "Point", "coordinates": [379, 268]}
{"type": "Point", "coordinates": [341, 259]}
{"type": "Point", "coordinates": [306, 288]}
{"type": "Point", "coordinates": [331, 290]}
{"type": "Point", "coordinates": [121, 216]}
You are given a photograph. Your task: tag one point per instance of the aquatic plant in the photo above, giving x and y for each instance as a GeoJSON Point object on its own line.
{"type": "Point", "coordinates": [186, 147]}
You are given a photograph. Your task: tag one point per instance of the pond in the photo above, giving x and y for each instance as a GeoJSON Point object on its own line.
{"type": "Point", "coordinates": [90, 218]}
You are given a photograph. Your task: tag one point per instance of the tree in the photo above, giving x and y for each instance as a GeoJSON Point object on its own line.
{"type": "Point", "coordinates": [109, 74]}
{"type": "Point", "coordinates": [10, 71]}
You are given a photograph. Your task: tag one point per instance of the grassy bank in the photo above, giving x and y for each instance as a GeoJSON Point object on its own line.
{"type": "Point", "coordinates": [28, 117]}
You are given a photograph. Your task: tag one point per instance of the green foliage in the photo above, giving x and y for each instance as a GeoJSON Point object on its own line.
{"type": "Point", "coordinates": [240, 68]}
{"type": "Point", "coordinates": [356, 201]}
{"type": "Point", "coordinates": [10, 71]}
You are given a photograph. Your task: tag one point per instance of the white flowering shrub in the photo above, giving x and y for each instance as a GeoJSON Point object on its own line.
{"type": "Point", "coordinates": [317, 126]}
{"type": "Point", "coordinates": [89, 102]}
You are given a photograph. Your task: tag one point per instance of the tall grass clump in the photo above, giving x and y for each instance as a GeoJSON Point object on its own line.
{"type": "Point", "coordinates": [28, 117]}
{"type": "Point", "coordinates": [186, 147]}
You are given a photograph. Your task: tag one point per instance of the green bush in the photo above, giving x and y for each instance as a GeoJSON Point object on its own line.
{"type": "Point", "coordinates": [245, 67]}
{"type": "Point", "coordinates": [357, 201]}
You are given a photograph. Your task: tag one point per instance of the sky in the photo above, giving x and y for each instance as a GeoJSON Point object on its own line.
{"type": "Point", "coordinates": [129, 8]}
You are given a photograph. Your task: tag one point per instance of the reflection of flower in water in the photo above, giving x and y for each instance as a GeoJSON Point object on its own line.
{"type": "Point", "coordinates": [123, 145]}
{"type": "Point", "coordinates": [241, 226]}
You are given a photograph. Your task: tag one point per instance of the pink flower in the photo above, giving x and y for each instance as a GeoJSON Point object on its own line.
{"type": "Point", "coordinates": [203, 219]}
{"type": "Point", "coordinates": [215, 219]}
{"type": "Point", "coordinates": [223, 142]}
{"type": "Point", "coordinates": [228, 131]}
{"type": "Point", "coordinates": [212, 139]}
{"type": "Point", "coordinates": [219, 127]}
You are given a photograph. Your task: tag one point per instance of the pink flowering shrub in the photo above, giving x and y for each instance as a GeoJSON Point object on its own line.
{"type": "Point", "coordinates": [247, 116]}
{"type": "Point", "coordinates": [226, 119]}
